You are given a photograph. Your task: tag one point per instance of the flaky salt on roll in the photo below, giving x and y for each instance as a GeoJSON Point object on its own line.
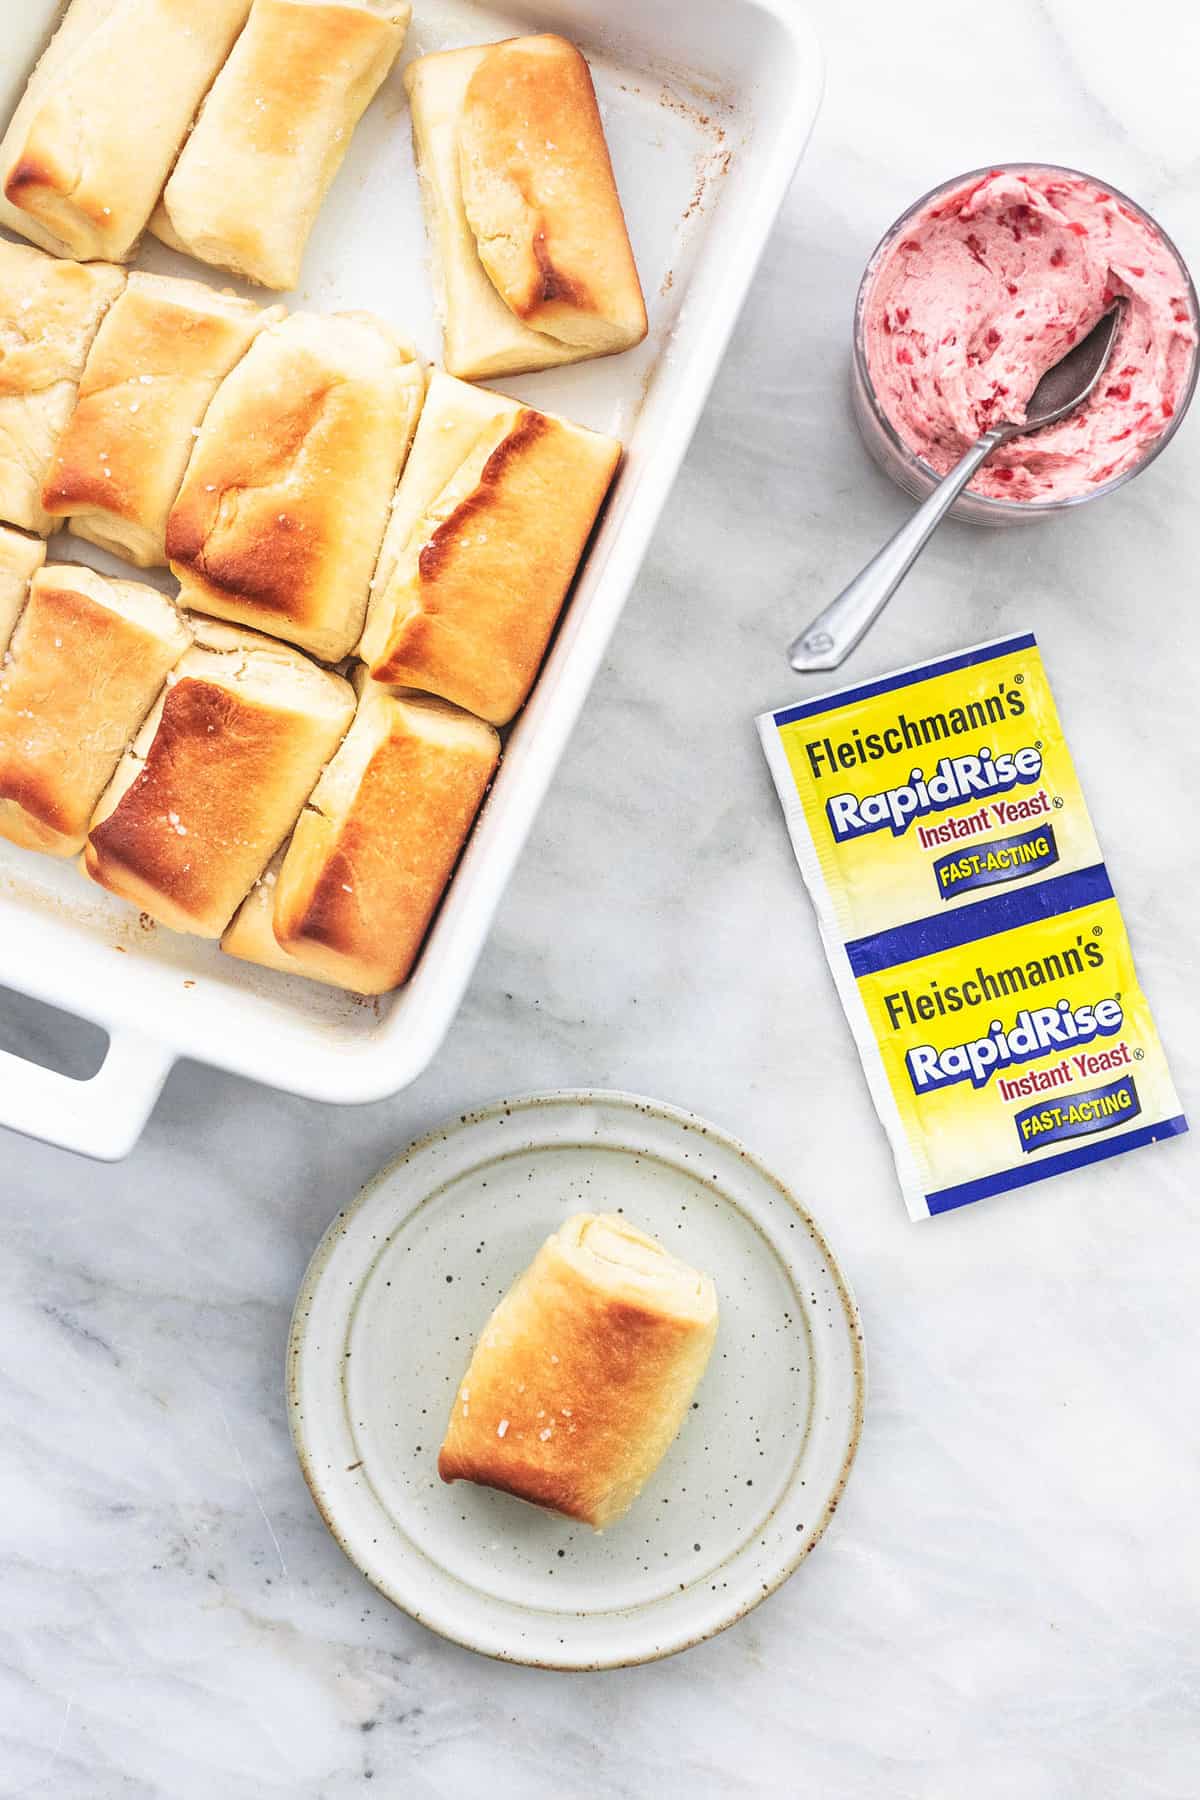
{"type": "Point", "coordinates": [584, 1372]}
{"type": "Point", "coordinates": [216, 778]}
{"type": "Point", "coordinates": [372, 851]}
{"type": "Point", "coordinates": [283, 509]}
{"type": "Point", "coordinates": [486, 532]}
{"type": "Point", "coordinates": [163, 350]}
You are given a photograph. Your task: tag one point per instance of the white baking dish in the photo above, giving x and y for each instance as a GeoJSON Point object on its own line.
{"type": "Point", "coordinates": [708, 105]}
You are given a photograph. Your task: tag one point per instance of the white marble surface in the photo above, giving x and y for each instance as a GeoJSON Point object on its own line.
{"type": "Point", "coordinates": [1006, 1605]}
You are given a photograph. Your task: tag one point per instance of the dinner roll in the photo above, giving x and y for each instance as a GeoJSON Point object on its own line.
{"type": "Point", "coordinates": [216, 778]}
{"type": "Point", "coordinates": [249, 184]}
{"type": "Point", "coordinates": [87, 660]}
{"type": "Point", "coordinates": [371, 853]}
{"type": "Point", "coordinates": [49, 313]}
{"type": "Point", "coordinates": [162, 351]}
{"type": "Point", "coordinates": [106, 109]}
{"type": "Point", "coordinates": [489, 524]}
{"type": "Point", "coordinates": [282, 511]}
{"type": "Point", "coordinates": [584, 1372]}
{"type": "Point", "coordinates": [529, 238]}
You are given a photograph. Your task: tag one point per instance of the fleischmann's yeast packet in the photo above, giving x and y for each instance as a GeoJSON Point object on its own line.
{"type": "Point", "coordinates": [969, 921]}
{"type": "Point", "coordinates": [927, 789]}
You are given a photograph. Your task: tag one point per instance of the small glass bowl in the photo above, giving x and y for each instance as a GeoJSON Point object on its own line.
{"type": "Point", "coordinates": [913, 474]}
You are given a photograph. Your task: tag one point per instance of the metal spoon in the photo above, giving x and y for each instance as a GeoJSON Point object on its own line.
{"type": "Point", "coordinates": [834, 632]}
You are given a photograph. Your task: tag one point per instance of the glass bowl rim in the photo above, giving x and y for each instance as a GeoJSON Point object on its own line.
{"type": "Point", "coordinates": [1022, 508]}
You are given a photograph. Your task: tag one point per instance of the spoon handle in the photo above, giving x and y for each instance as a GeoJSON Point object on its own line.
{"type": "Point", "coordinates": [835, 631]}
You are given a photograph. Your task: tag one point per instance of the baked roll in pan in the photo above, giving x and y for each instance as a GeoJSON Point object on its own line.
{"type": "Point", "coordinates": [161, 353]}
{"type": "Point", "coordinates": [282, 511]}
{"type": "Point", "coordinates": [87, 660]}
{"type": "Point", "coordinates": [50, 311]}
{"type": "Point", "coordinates": [529, 239]}
{"type": "Point", "coordinates": [489, 524]}
{"type": "Point", "coordinates": [352, 898]}
{"type": "Point", "coordinates": [249, 183]}
{"type": "Point", "coordinates": [20, 559]}
{"type": "Point", "coordinates": [584, 1372]}
{"type": "Point", "coordinates": [216, 778]}
{"type": "Point", "coordinates": [93, 140]}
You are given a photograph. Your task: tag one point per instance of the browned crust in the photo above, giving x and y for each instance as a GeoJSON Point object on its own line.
{"type": "Point", "coordinates": [139, 836]}
{"type": "Point", "coordinates": [210, 805]}
{"type": "Point", "coordinates": [577, 1375]}
{"type": "Point", "coordinates": [541, 195]}
{"type": "Point", "coordinates": [30, 172]}
{"type": "Point", "coordinates": [327, 919]}
{"type": "Point", "coordinates": [524, 1477]}
{"type": "Point", "coordinates": [76, 481]}
{"type": "Point", "coordinates": [555, 284]}
{"type": "Point", "coordinates": [485, 601]}
{"type": "Point", "coordinates": [364, 886]}
{"type": "Point", "coordinates": [273, 571]}
{"type": "Point", "coordinates": [37, 183]}
{"type": "Point", "coordinates": [29, 787]}
{"type": "Point", "coordinates": [609, 1353]}
{"type": "Point", "coordinates": [285, 500]}
{"type": "Point", "coordinates": [438, 554]}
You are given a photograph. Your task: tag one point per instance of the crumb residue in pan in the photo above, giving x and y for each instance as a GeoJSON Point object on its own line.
{"type": "Point", "coordinates": [690, 96]}
{"type": "Point", "coordinates": [710, 168]}
{"type": "Point", "coordinates": [708, 112]}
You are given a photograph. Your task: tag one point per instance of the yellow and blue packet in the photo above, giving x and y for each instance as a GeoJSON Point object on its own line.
{"type": "Point", "coordinates": [970, 924]}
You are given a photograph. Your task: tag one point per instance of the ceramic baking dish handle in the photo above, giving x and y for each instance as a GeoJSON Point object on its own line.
{"type": "Point", "coordinates": [102, 1117]}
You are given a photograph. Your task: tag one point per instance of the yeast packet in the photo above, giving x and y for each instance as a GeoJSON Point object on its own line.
{"type": "Point", "coordinates": [970, 924]}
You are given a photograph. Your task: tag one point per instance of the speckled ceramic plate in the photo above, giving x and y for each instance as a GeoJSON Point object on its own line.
{"type": "Point", "coordinates": [403, 1282]}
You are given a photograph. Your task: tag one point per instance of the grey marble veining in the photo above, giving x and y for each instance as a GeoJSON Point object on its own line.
{"type": "Point", "coordinates": [1006, 1604]}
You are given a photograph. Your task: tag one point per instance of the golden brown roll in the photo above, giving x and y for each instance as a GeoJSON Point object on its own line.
{"type": "Point", "coordinates": [489, 524]}
{"type": "Point", "coordinates": [161, 353]}
{"type": "Point", "coordinates": [103, 116]}
{"type": "Point", "coordinates": [283, 508]}
{"type": "Point", "coordinates": [529, 238]}
{"type": "Point", "coordinates": [50, 311]}
{"type": "Point", "coordinates": [216, 778]}
{"type": "Point", "coordinates": [371, 853]}
{"type": "Point", "coordinates": [584, 1372]}
{"type": "Point", "coordinates": [249, 184]}
{"type": "Point", "coordinates": [86, 663]}
{"type": "Point", "coordinates": [20, 559]}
